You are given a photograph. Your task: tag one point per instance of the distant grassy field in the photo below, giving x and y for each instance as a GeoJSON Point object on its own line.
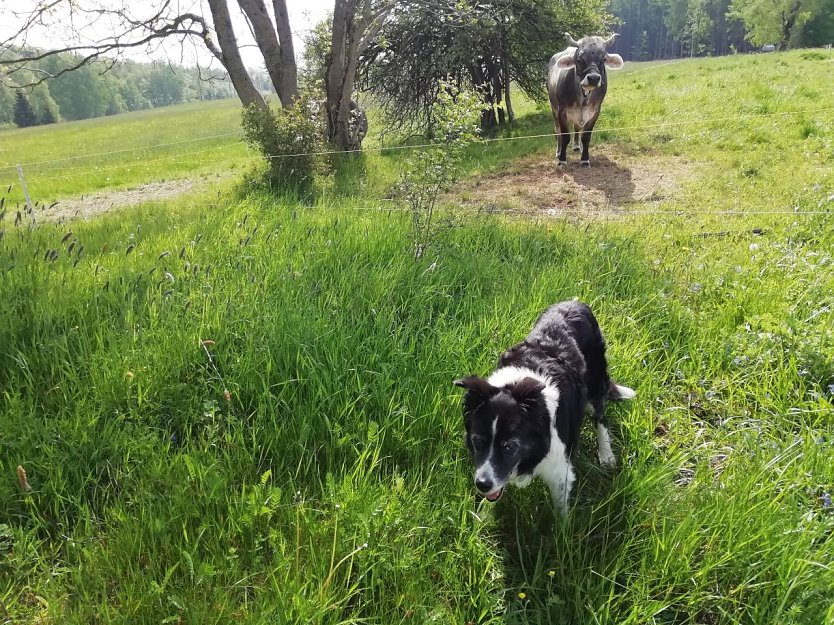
{"type": "Point", "coordinates": [240, 409]}
{"type": "Point", "coordinates": [70, 159]}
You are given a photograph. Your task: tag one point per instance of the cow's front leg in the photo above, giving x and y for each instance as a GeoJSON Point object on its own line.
{"type": "Point", "coordinates": [585, 160]}
{"type": "Point", "coordinates": [576, 133]}
{"type": "Point", "coordinates": [564, 139]}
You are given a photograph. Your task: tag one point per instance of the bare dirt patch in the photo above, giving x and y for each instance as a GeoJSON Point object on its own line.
{"type": "Point", "coordinates": [615, 180]}
{"type": "Point", "coordinates": [94, 204]}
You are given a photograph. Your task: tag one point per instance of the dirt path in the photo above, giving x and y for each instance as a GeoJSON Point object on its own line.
{"type": "Point", "coordinates": [531, 185]}
{"type": "Point", "coordinates": [616, 179]}
{"type": "Point", "coordinates": [94, 204]}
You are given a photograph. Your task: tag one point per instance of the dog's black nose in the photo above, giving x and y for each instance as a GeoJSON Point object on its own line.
{"type": "Point", "coordinates": [484, 485]}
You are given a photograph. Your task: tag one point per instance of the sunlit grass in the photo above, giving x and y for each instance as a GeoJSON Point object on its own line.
{"type": "Point", "coordinates": [240, 409]}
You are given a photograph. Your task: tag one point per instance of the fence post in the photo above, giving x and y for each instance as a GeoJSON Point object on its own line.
{"type": "Point", "coordinates": [25, 190]}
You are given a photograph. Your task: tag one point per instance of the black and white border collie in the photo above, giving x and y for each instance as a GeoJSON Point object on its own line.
{"type": "Point", "coordinates": [523, 421]}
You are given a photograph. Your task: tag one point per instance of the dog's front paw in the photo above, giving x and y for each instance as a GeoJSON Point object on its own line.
{"type": "Point", "coordinates": [608, 461]}
{"type": "Point", "coordinates": [522, 481]}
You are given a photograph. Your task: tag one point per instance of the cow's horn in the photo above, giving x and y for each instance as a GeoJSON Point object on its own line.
{"type": "Point", "coordinates": [572, 41]}
{"type": "Point", "coordinates": [610, 40]}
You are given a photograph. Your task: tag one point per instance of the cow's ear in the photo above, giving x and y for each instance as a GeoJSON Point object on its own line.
{"type": "Point", "coordinates": [614, 61]}
{"type": "Point", "coordinates": [566, 62]}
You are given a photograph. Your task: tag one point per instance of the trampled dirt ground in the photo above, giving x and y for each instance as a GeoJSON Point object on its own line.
{"type": "Point", "coordinates": [616, 179]}
{"type": "Point", "coordinates": [94, 204]}
{"type": "Point", "coordinates": [533, 186]}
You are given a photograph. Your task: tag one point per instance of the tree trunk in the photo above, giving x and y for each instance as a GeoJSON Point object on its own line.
{"type": "Point", "coordinates": [505, 68]}
{"type": "Point", "coordinates": [288, 68]}
{"type": "Point", "coordinates": [231, 60]}
{"type": "Point", "coordinates": [284, 79]}
{"type": "Point", "coordinates": [334, 78]}
{"type": "Point", "coordinates": [788, 23]}
{"type": "Point", "coordinates": [351, 34]}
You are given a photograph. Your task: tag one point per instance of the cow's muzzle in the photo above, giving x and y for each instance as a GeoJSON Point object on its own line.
{"type": "Point", "coordinates": [591, 80]}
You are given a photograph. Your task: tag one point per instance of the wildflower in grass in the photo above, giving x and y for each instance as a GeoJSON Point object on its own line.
{"type": "Point", "coordinates": [227, 395]}
{"type": "Point", "coordinates": [129, 375]}
{"type": "Point", "coordinates": [522, 596]}
{"type": "Point", "coordinates": [22, 479]}
{"type": "Point", "coordinates": [551, 574]}
{"type": "Point", "coordinates": [208, 343]}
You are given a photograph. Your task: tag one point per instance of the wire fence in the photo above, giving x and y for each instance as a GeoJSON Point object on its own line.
{"type": "Point", "coordinates": [382, 149]}
{"type": "Point", "coordinates": [552, 135]}
{"type": "Point", "coordinates": [124, 151]}
{"type": "Point", "coordinates": [142, 163]}
{"type": "Point", "coordinates": [563, 211]}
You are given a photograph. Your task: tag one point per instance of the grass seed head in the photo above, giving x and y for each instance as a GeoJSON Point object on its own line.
{"type": "Point", "coordinates": [22, 479]}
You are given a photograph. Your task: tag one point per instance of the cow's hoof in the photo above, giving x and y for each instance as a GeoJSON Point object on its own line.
{"type": "Point", "coordinates": [561, 163]}
{"type": "Point", "coordinates": [585, 163]}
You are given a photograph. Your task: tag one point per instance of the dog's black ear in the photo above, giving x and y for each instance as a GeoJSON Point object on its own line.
{"type": "Point", "coordinates": [508, 356]}
{"type": "Point", "coordinates": [526, 390]}
{"type": "Point", "coordinates": [477, 386]}
{"type": "Point", "coordinates": [478, 391]}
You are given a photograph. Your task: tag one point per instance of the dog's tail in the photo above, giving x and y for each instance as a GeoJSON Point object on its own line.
{"type": "Point", "coordinates": [615, 392]}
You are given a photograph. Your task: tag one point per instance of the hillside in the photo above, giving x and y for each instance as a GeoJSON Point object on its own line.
{"type": "Point", "coordinates": [232, 407]}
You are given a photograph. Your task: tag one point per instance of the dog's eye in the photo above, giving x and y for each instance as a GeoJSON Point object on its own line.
{"type": "Point", "coordinates": [510, 446]}
{"type": "Point", "coordinates": [478, 442]}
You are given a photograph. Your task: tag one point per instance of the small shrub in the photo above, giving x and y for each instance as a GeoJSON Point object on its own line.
{"type": "Point", "coordinates": [432, 171]}
{"type": "Point", "coordinates": [812, 55]}
{"type": "Point", "coordinates": [287, 139]}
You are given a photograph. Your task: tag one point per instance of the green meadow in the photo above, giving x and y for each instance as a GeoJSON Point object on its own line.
{"type": "Point", "coordinates": [238, 408]}
{"type": "Point", "coordinates": [76, 158]}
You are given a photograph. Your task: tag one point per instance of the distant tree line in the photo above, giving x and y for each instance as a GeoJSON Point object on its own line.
{"type": "Point", "coordinates": [654, 29]}
{"type": "Point", "coordinates": [94, 90]}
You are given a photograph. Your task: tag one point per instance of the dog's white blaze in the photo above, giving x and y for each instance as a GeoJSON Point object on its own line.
{"type": "Point", "coordinates": [486, 471]}
{"type": "Point", "coordinates": [555, 468]}
{"type": "Point", "coordinates": [625, 392]}
{"type": "Point", "coordinates": [606, 456]}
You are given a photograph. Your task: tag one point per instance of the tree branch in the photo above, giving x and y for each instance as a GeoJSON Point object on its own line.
{"type": "Point", "coordinates": [183, 25]}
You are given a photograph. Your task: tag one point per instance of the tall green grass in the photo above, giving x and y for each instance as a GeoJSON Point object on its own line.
{"type": "Point", "coordinates": [240, 409]}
